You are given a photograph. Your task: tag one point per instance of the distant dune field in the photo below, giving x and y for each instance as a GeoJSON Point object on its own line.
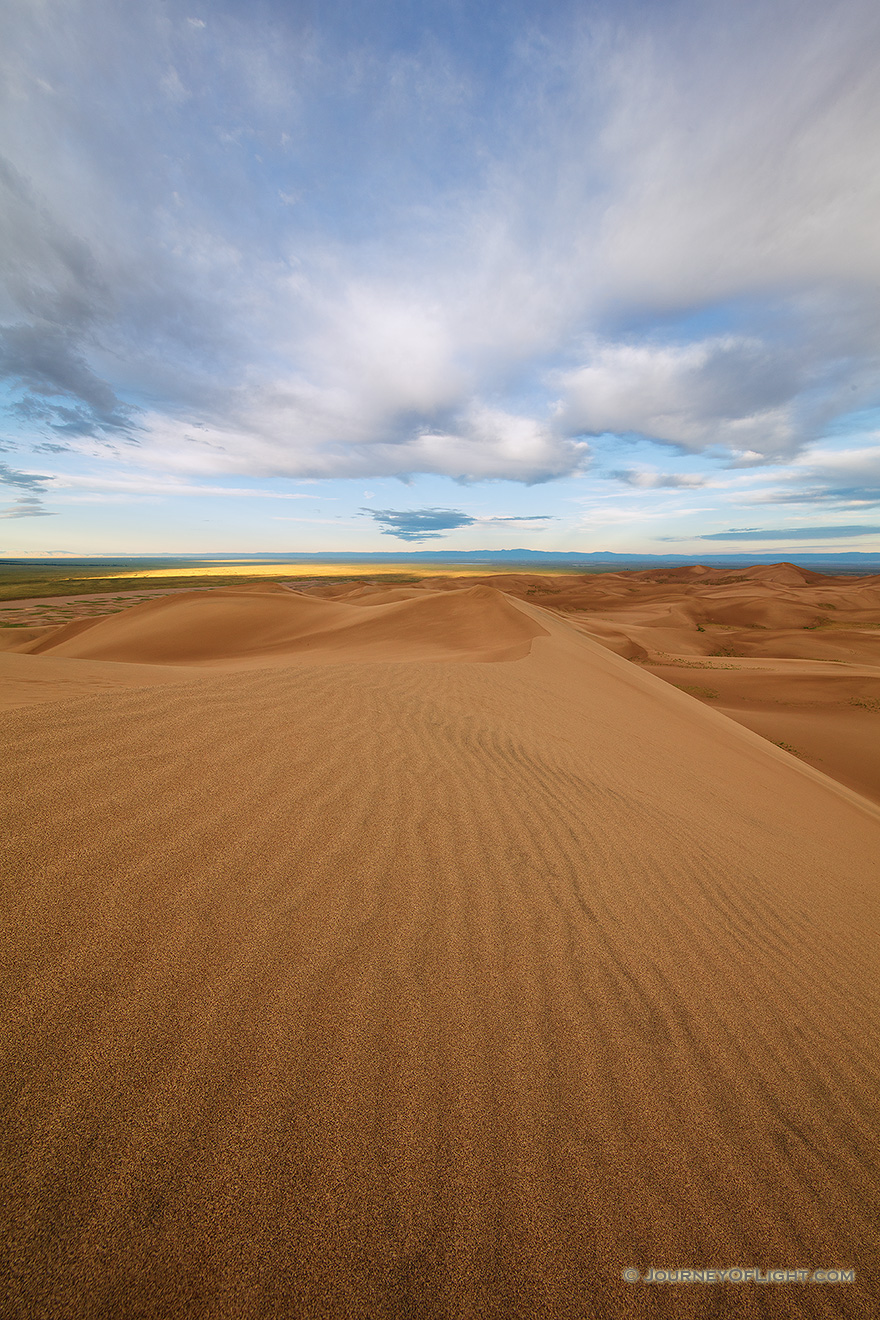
{"type": "Point", "coordinates": [416, 951]}
{"type": "Point", "coordinates": [792, 654]}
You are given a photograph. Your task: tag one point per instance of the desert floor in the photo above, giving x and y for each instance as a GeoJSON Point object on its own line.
{"type": "Point", "coordinates": [417, 952]}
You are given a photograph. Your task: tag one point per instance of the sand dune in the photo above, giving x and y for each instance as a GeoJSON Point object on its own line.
{"type": "Point", "coordinates": [22, 639]}
{"type": "Point", "coordinates": [664, 619]}
{"type": "Point", "coordinates": [806, 647]}
{"type": "Point", "coordinates": [425, 989]}
{"type": "Point", "coordinates": [26, 679]}
{"type": "Point", "coordinates": [259, 624]}
{"type": "Point", "coordinates": [828, 715]}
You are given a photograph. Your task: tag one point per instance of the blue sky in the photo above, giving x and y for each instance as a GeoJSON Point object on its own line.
{"type": "Point", "coordinates": [283, 277]}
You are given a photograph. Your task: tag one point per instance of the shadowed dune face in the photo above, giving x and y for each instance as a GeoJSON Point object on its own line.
{"type": "Point", "coordinates": [242, 624]}
{"type": "Point", "coordinates": [792, 654]}
{"type": "Point", "coordinates": [427, 990]}
{"type": "Point", "coordinates": [22, 639]}
{"type": "Point", "coordinates": [765, 610]}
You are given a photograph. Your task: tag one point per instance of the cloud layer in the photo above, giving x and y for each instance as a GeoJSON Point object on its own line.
{"type": "Point", "coordinates": [792, 533]}
{"type": "Point", "coordinates": [243, 243]}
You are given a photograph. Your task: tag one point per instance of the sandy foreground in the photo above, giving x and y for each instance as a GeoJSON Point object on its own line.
{"type": "Point", "coordinates": [412, 954]}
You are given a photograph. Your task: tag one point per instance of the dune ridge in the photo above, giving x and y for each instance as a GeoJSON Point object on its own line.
{"type": "Point", "coordinates": [246, 624]}
{"type": "Point", "coordinates": [794, 654]}
{"type": "Point", "coordinates": [790, 653]}
{"type": "Point", "coordinates": [417, 988]}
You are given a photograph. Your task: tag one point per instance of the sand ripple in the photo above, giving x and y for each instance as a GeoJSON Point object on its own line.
{"type": "Point", "coordinates": [431, 989]}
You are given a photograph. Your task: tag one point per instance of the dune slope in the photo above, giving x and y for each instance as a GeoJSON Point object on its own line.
{"type": "Point", "coordinates": [260, 624]}
{"type": "Point", "coordinates": [791, 654]}
{"type": "Point", "coordinates": [431, 990]}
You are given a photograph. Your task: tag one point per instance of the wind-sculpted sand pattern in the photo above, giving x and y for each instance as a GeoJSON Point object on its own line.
{"type": "Point", "coordinates": [432, 989]}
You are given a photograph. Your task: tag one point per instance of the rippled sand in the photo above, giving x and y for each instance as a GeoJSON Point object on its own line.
{"type": "Point", "coordinates": [423, 960]}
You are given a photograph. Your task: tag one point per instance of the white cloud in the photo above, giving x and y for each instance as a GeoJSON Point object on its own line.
{"type": "Point", "coordinates": [720, 393]}
{"type": "Point", "coordinates": [849, 478]}
{"type": "Point", "coordinates": [645, 479]}
{"type": "Point", "coordinates": [172, 86]}
{"type": "Point", "coordinates": [745, 145]}
{"type": "Point", "coordinates": [467, 247]}
{"type": "Point", "coordinates": [138, 485]}
{"type": "Point", "coordinates": [480, 444]}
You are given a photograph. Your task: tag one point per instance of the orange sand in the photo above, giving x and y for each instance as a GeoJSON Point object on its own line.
{"type": "Point", "coordinates": [347, 977]}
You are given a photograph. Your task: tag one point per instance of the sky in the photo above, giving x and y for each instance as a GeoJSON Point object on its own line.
{"type": "Point", "coordinates": [443, 275]}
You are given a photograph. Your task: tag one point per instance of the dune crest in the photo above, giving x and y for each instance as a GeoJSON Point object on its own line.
{"type": "Point", "coordinates": [752, 631]}
{"type": "Point", "coordinates": [250, 624]}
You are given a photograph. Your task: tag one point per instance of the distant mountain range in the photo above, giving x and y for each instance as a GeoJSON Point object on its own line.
{"type": "Point", "coordinates": [569, 558]}
{"type": "Point", "coordinates": [866, 561]}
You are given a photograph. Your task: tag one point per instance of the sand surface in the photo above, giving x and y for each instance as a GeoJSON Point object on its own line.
{"type": "Point", "coordinates": [423, 960]}
{"type": "Point", "coordinates": [793, 654]}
